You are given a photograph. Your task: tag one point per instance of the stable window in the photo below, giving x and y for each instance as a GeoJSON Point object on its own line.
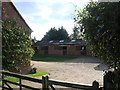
{"type": "Point", "coordinates": [80, 47]}
{"type": "Point", "coordinates": [83, 47]}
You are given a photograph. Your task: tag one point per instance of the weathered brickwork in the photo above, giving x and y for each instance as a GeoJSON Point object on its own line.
{"type": "Point", "coordinates": [9, 11]}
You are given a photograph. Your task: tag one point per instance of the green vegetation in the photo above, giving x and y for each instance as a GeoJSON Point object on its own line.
{"type": "Point", "coordinates": [38, 74]}
{"type": "Point", "coordinates": [14, 79]}
{"type": "Point", "coordinates": [52, 58]}
{"type": "Point", "coordinates": [16, 48]}
{"type": "Point", "coordinates": [101, 27]}
{"type": "Point", "coordinates": [100, 22]}
{"type": "Point", "coordinates": [56, 34]}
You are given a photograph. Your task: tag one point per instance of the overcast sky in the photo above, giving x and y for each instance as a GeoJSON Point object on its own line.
{"type": "Point", "coordinates": [41, 15]}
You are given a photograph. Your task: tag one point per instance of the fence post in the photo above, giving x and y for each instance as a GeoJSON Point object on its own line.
{"type": "Point", "coordinates": [2, 81]}
{"type": "Point", "coordinates": [20, 82]}
{"type": "Point", "coordinates": [95, 85]}
{"type": "Point", "coordinates": [107, 81]}
{"type": "Point", "coordinates": [45, 83]}
{"type": "Point", "coordinates": [104, 82]}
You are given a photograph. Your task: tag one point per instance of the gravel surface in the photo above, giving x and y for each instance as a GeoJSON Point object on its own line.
{"type": "Point", "coordinates": [83, 70]}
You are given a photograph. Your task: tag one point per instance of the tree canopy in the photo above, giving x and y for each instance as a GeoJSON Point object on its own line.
{"type": "Point", "coordinates": [77, 33]}
{"type": "Point", "coordinates": [101, 22]}
{"type": "Point", "coordinates": [16, 46]}
{"type": "Point", "coordinates": [101, 25]}
{"type": "Point", "coordinates": [56, 34]}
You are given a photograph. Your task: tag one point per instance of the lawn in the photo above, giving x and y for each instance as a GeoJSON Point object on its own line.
{"type": "Point", "coordinates": [52, 58]}
{"type": "Point", "coordinates": [14, 79]}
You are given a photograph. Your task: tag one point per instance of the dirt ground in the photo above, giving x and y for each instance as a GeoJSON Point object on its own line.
{"type": "Point", "coordinates": [83, 70]}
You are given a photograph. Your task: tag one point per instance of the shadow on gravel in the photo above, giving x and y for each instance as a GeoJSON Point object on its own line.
{"type": "Point", "coordinates": [101, 67]}
{"type": "Point", "coordinates": [85, 59]}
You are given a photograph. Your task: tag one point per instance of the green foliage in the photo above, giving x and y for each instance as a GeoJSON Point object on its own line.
{"type": "Point", "coordinates": [54, 34]}
{"type": "Point", "coordinates": [77, 33]}
{"type": "Point", "coordinates": [101, 24]}
{"type": "Point", "coordinates": [16, 46]}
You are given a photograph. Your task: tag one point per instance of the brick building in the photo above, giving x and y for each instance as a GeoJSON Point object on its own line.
{"type": "Point", "coordinates": [9, 11]}
{"type": "Point", "coordinates": [62, 48]}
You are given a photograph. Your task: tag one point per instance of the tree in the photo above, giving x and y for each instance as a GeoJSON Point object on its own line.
{"type": "Point", "coordinates": [54, 34]}
{"type": "Point", "coordinates": [34, 40]}
{"type": "Point", "coordinates": [100, 21]}
{"type": "Point", "coordinates": [77, 33]}
{"type": "Point", "coordinates": [63, 35]}
{"type": "Point", "coordinates": [16, 46]}
{"type": "Point", "coordinates": [101, 25]}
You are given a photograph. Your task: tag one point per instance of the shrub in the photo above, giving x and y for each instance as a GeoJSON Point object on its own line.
{"type": "Point", "coordinates": [16, 46]}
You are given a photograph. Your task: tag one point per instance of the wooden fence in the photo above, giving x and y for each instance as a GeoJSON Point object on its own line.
{"type": "Point", "coordinates": [45, 82]}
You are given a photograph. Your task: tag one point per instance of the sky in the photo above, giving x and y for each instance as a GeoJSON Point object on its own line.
{"type": "Point", "coordinates": [41, 15]}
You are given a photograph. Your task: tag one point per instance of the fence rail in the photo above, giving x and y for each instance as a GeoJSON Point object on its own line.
{"type": "Point", "coordinates": [21, 77]}
{"type": "Point", "coordinates": [45, 81]}
{"type": "Point", "coordinates": [67, 84]}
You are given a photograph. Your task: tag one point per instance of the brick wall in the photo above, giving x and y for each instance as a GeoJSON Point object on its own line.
{"type": "Point", "coordinates": [71, 50]}
{"type": "Point", "coordinates": [10, 12]}
{"type": "Point", "coordinates": [53, 51]}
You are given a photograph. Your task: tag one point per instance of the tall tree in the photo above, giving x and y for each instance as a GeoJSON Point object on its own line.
{"type": "Point", "coordinates": [56, 34]}
{"type": "Point", "coordinates": [63, 35]}
{"type": "Point", "coordinates": [101, 22]}
{"type": "Point", "coordinates": [16, 46]}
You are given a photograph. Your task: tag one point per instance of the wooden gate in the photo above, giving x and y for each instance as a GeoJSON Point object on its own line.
{"type": "Point", "coordinates": [45, 82]}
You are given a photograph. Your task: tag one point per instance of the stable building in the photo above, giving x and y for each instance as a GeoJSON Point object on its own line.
{"type": "Point", "coordinates": [74, 47]}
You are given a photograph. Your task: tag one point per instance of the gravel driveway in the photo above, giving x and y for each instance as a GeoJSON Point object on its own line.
{"type": "Point", "coordinates": [83, 70]}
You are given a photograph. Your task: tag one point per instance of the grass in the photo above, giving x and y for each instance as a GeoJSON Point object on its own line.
{"type": "Point", "coordinates": [52, 58]}
{"type": "Point", "coordinates": [38, 74]}
{"type": "Point", "coordinates": [14, 79]}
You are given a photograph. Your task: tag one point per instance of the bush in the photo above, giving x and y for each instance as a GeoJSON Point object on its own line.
{"type": "Point", "coordinates": [101, 28]}
{"type": "Point", "coordinates": [16, 46]}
